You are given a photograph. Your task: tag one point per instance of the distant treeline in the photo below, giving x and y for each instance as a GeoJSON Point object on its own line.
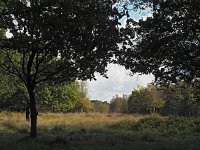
{"type": "Point", "coordinates": [179, 99]}
{"type": "Point", "coordinates": [173, 99]}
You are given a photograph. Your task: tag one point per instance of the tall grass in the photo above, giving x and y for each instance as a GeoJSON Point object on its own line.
{"type": "Point", "coordinates": [95, 131]}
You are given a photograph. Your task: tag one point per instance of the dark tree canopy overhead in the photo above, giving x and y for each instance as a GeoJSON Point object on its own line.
{"type": "Point", "coordinates": [167, 44]}
{"type": "Point", "coordinates": [82, 33]}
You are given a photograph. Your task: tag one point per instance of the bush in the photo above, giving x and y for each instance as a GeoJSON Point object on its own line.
{"type": "Point", "coordinates": [181, 124]}
{"type": "Point", "coordinates": [123, 125]}
{"type": "Point", "coordinates": [171, 126]}
{"type": "Point", "coordinates": [149, 124]}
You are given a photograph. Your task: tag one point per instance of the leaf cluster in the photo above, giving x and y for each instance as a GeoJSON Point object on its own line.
{"type": "Point", "coordinates": [166, 44]}
{"type": "Point", "coordinates": [58, 40]}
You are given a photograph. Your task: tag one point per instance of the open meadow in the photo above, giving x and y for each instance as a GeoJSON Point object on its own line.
{"type": "Point", "coordinates": [95, 131]}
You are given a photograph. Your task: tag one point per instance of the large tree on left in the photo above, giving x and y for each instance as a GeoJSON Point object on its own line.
{"type": "Point", "coordinates": [59, 40]}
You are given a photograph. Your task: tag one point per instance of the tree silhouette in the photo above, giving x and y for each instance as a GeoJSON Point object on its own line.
{"type": "Point", "coordinates": [59, 40]}
{"type": "Point", "coordinates": [166, 44]}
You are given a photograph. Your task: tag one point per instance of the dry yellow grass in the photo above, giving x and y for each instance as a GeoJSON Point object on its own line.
{"type": "Point", "coordinates": [95, 131]}
{"type": "Point", "coordinates": [60, 121]}
{"type": "Point", "coordinates": [88, 120]}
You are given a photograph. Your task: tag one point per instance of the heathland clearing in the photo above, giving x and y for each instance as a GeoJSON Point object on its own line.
{"type": "Point", "coordinates": [95, 131]}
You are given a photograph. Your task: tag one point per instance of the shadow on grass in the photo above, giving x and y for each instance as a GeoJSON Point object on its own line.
{"type": "Point", "coordinates": [121, 136]}
{"type": "Point", "coordinates": [10, 126]}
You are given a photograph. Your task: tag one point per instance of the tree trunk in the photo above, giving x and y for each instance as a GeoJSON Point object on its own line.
{"type": "Point", "coordinates": [154, 110]}
{"type": "Point", "coordinates": [34, 113]}
{"type": "Point", "coordinates": [27, 113]}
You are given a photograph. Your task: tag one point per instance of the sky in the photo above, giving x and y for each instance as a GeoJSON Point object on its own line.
{"type": "Point", "coordinates": [119, 81]}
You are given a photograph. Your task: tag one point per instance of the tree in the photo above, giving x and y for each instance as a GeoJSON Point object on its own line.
{"type": "Point", "coordinates": [84, 104]}
{"type": "Point", "coordinates": [167, 44]}
{"type": "Point", "coordinates": [154, 99]}
{"type": "Point", "coordinates": [99, 106]}
{"type": "Point", "coordinates": [64, 97]}
{"type": "Point", "coordinates": [119, 104]}
{"type": "Point", "coordinates": [135, 101]}
{"type": "Point", "coordinates": [172, 97]}
{"type": "Point", "coordinates": [130, 5]}
{"type": "Point", "coordinates": [12, 94]}
{"type": "Point", "coordinates": [59, 97]}
{"type": "Point", "coordinates": [145, 100]}
{"type": "Point", "coordinates": [180, 99]}
{"type": "Point", "coordinates": [59, 40]}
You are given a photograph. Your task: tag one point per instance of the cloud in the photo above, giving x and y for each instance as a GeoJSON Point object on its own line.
{"type": "Point", "coordinates": [119, 82]}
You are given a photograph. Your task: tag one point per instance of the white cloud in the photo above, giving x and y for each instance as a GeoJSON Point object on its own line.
{"type": "Point", "coordinates": [119, 82]}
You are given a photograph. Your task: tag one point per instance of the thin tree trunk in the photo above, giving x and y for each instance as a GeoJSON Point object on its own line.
{"type": "Point", "coordinates": [154, 110]}
{"type": "Point", "coordinates": [34, 113]}
{"type": "Point", "coordinates": [27, 113]}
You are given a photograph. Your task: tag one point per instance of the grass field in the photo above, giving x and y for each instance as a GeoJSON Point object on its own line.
{"type": "Point", "coordinates": [93, 131]}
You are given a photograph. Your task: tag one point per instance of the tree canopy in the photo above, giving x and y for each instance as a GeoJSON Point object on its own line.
{"type": "Point", "coordinates": [166, 44]}
{"type": "Point", "coordinates": [59, 40]}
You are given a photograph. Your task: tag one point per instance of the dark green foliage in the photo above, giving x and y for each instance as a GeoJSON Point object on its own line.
{"type": "Point", "coordinates": [167, 126]}
{"type": "Point", "coordinates": [182, 125]}
{"type": "Point", "coordinates": [146, 100]}
{"type": "Point", "coordinates": [55, 23]}
{"type": "Point", "coordinates": [132, 5]}
{"type": "Point", "coordinates": [167, 44]}
{"type": "Point", "coordinates": [123, 125]}
{"type": "Point", "coordinates": [148, 124]}
{"type": "Point", "coordinates": [180, 99]}
{"type": "Point", "coordinates": [61, 97]}
{"type": "Point", "coordinates": [65, 97]}
{"type": "Point", "coordinates": [135, 101]}
{"type": "Point", "coordinates": [13, 95]}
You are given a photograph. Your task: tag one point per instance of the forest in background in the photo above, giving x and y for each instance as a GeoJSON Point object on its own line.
{"type": "Point", "coordinates": [180, 99]}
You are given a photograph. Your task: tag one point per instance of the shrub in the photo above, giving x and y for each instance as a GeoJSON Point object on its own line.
{"type": "Point", "coordinates": [181, 124]}
{"type": "Point", "coordinates": [123, 125]}
{"type": "Point", "coordinates": [171, 126]}
{"type": "Point", "coordinates": [149, 124]}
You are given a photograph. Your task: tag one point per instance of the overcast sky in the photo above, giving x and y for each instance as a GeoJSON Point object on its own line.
{"type": "Point", "coordinates": [119, 81]}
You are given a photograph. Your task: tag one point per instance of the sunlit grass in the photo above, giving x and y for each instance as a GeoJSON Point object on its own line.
{"type": "Point", "coordinates": [62, 122]}
{"type": "Point", "coordinates": [86, 120]}
{"type": "Point", "coordinates": [55, 130]}
{"type": "Point", "coordinates": [95, 131]}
